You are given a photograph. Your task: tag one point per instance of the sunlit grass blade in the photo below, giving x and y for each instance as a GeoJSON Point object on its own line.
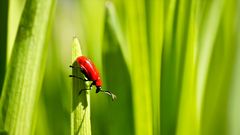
{"type": "Point", "coordinates": [118, 82]}
{"type": "Point", "coordinates": [155, 34]}
{"type": "Point", "coordinates": [80, 112]}
{"type": "Point", "coordinates": [14, 15]}
{"type": "Point", "coordinates": [209, 19]}
{"type": "Point", "coordinates": [187, 116]}
{"type": "Point", "coordinates": [217, 90]}
{"type": "Point", "coordinates": [26, 68]}
{"type": "Point", "coordinates": [113, 24]}
{"type": "Point", "coordinates": [234, 109]}
{"type": "Point", "coordinates": [92, 22]}
{"type": "Point", "coordinates": [136, 34]}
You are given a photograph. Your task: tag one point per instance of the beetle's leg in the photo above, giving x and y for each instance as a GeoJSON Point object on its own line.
{"type": "Point", "coordinates": [78, 77]}
{"type": "Point", "coordinates": [71, 66]}
{"type": "Point", "coordinates": [90, 88]}
{"type": "Point", "coordinates": [84, 90]}
{"type": "Point", "coordinates": [109, 93]}
{"type": "Point", "coordinates": [82, 70]}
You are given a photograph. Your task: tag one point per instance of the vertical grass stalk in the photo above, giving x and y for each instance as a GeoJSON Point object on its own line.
{"type": "Point", "coordinates": [80, 112]}
{"type": "Point", "coordinates": [25, 71]}
{"type": "Point", "coordinates": [156, 43]}
{"type": "Point", "coordinates": [137, 40]}
{"type": "Point", "coordinates": [15, 11]}
{"type": "Point", "coordinates": [187, 116]}
{"type": "Point", "coordinates": [170, 91]}
{"type": "Point", "coordinates": [207, 34]}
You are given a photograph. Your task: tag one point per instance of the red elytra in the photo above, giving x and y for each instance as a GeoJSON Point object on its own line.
{"type": "Point", "coordinates": [89, 70]}
{"type": "Point", "coordinates": [91, 73]}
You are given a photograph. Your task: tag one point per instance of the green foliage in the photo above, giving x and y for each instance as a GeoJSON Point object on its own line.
{"type": "Point", "coordinates": [173, 64]}
{"type": "Point", "coordinates": [112, 51]}
{"type": "Point", "coordinates": [80, 112]}
{"type": "Point", "coordinates": [20, 91]}
{"type": "Point", "coordinates": [14, 15]}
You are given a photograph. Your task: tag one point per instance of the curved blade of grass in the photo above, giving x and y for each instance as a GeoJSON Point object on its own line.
{"type": "Point", "coordinates": [156, 29]}
{"type": "Point", "coordinates": [234, 109]}
{"type": "Point", "coordinates": [216, 97]}
{"type": "Point", "coordinates": [187, 119]}
{"type": "Point", "coordinates": [92, 22]}
{"type": "Point", "coordinates": [170, 89]}
{"type": "Point", "coordinates": [207, 34]}
{"type": "Point", "coordinates": [118, 82]}
{"type": "Point", "coordinates": [26, 68]}
{"type": "Point", "coordinates": [54, 103]}
{"type": "Point", "coordinates": [114, 24]}
{"type": "Point", "coordinates": [15, 12]}
{"type": "Point", "coordinates": [80, 112]}
{"type": "Point", "coordinates": [136, 33]}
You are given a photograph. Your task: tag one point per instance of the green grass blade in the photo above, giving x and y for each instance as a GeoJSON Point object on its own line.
{"type": "Point", "coordinates": [155, 34]}
{"type": "Point", "coordinates": [43, 127]}
{"type": "Point", "coordinates": [118, 82]}
{"type": "Point", "coordinates": [54, 107]}
{"type": "Point", "coordinates": [136, 34]}
{"type": "Point", "coordinates": [113, 23]}
{"type": "Point", "coordinates": [214, 107]}
{"type": "Point", "coordinates": [209, 22]}
{"type": "Point", "coordinates": [80, 112]}
{"type": "Point", "coordinates": [187, 119]}
{"type": "Point", "coordinates": [92, 22]}
{"type": "Point", "coordinates": [26, 68]}
{"type": "Point", "coordinates": [3, 39]}
{"type": "Point", "coordinates": [234, 109]}
{"type": "Point", "coordinates": [15, 12]}
{"type": "Point", "coordinates": [170, 90]}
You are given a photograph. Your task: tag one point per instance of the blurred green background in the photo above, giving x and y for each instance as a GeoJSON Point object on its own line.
{"type": "Point", "coordinates": [173, 64]}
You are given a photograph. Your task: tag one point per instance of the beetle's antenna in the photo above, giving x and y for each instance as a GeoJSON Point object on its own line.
{"type": "Point", "coordinates": [110, 94]}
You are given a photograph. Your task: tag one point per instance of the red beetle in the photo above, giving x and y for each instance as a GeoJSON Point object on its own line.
{"type": "Point", "coordinates": [91, 73]}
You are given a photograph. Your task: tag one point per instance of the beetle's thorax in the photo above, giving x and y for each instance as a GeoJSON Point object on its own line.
{"type": "Point", "coordinates": [98, 82]}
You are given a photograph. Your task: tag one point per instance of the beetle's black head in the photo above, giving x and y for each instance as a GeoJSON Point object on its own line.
{"type": "Point", "coordinates": [98, 89]}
